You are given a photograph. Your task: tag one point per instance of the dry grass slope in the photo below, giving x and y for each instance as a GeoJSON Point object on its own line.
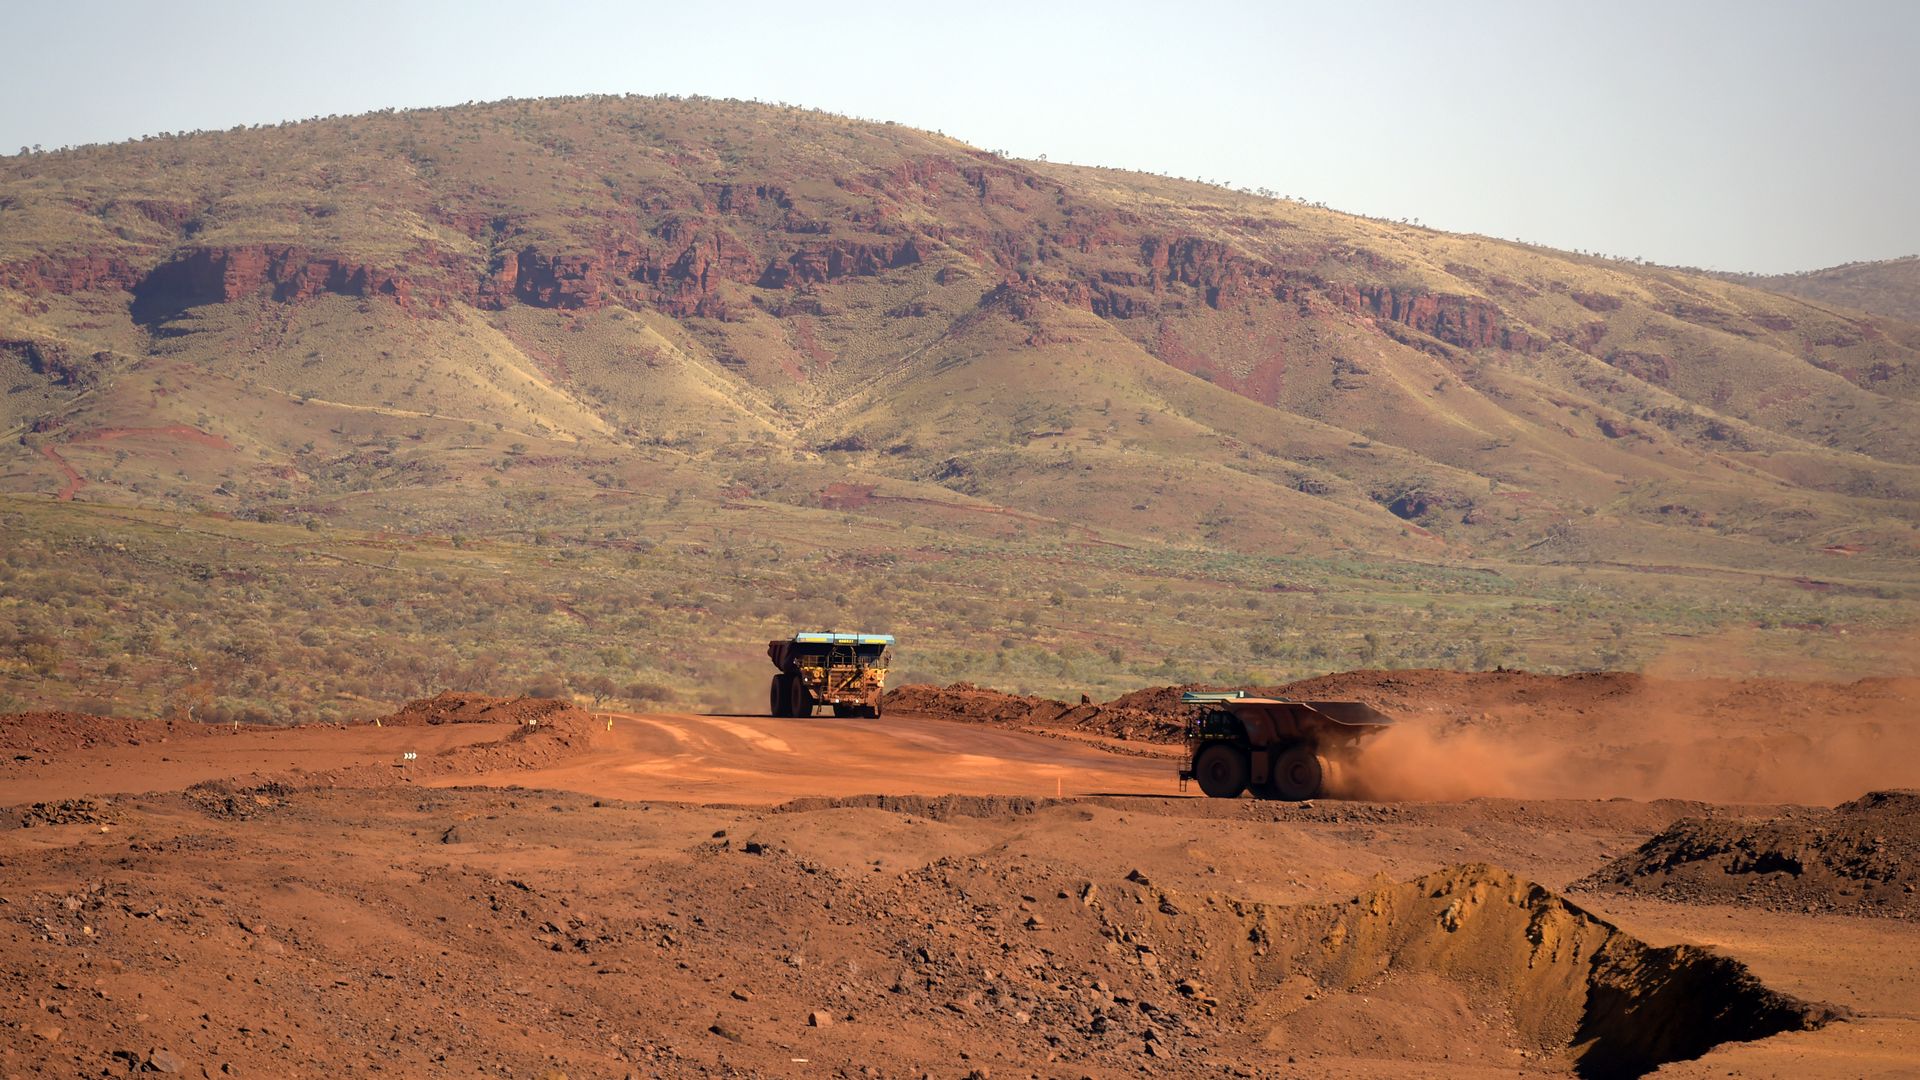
{"type": "Point", "coordinates": [723, 366]}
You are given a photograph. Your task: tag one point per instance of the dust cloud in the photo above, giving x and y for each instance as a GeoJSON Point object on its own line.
{"type": "Point", "coordinates": [735, 690]}
{"type": "Point", "coordinates": [1422, 763]}
{"type": "Point", "coordinates": [1740, 741]}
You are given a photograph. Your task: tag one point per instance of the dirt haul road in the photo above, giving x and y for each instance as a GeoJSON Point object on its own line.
{"type": "Point", "coordinates": [172, 763]}
{"type": "Point", "coordinates": [759, 759]}
{"type": "Point", "coordinates": [644, 901]}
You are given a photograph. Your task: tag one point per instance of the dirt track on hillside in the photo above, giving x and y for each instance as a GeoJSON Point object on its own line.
{"type": "Point", "coordinates": [543, 891]}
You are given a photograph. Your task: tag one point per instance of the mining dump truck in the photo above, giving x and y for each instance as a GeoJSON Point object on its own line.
{"type": "Point", "coordinates": [845, 671]}
{"type": "Point", "coordinates": [1280, 749]}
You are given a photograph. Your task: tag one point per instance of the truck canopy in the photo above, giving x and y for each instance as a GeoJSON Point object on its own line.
{"type": "Point", "coordinates": [1344, 713]}
{"type": "Point", "coordinates": [860, 648]}
{"type": "Point", "coordinates": [834, 637]}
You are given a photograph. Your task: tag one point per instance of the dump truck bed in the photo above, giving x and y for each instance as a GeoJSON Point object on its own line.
{"type": "Point", "coordinates": [1285, 712]}
{"type": "Point", "coordinates": [786, 652]}
{"type": "Point", "coordinates": [1343, 713]}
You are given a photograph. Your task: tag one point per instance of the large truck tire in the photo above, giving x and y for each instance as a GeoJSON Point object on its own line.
{"type": "Point", "coordinates": [1221, 770]}
{"type": "Point", "coordinates": [801, 703]}
{"type": "Point", "coordinates": [1299, 772]}
{"type": "Point", "coordinates": [779, 697]}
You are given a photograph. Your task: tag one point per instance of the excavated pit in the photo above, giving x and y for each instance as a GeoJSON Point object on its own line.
{"type": "Point", "coordinates": [1476, 944]}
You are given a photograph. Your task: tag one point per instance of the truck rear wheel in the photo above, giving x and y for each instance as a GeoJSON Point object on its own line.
{"type": "Point", "coordinates": [1298, 773]}
{"type": "Point", "coordinates": [779, 697]}
{"type": "Point", "coordinates": [1221, 771]}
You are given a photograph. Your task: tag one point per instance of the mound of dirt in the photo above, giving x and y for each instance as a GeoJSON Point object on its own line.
{"type": "Point", "coordinates": [970, 704]}
{"type": "Point", "coordinates": [1159, 700]}
{"type": "Point", "coordinates": [549, 731]}
{"type": "Point", "coordinates": [1862, 858]}
{"type": "Point", "coordinates": [228, 799]}
{"type": "Point", "coordinates": [66, 812]}
{"type": "Point", "coordinates": [1558, 980]}
{"type": "Point", "coordinates": [546, 732]}
{"type": "Point", "coordinates": [26, 734]}
{"type": "Point", "coordinates": [455, 707]}
{"type": "Point", "coordinates": [529, 733]}
{"type": "Point", "coordinates": [967, 702]}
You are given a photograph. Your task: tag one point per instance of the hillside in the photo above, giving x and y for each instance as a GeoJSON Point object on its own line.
{"type": "Point", "coordinates": [659, 378]}
{"type": "Point", "coordinates": [1890, 287]}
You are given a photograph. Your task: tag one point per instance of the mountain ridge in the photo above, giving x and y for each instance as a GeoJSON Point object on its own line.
{"type": "Point", "coordinates": [1889, 287]}
{"type": "Point", "coordinates": [578, 317]}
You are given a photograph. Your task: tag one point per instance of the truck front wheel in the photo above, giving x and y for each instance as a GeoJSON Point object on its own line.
{"type": "Point", "coordinates": [779, 697]}
{"type": "Point", "coordinates": [1221, 771]}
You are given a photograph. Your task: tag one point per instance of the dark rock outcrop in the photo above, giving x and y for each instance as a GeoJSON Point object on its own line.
{"type": "Point", "coordinates": [285, 272]}
{"type": "Point", "coordinates": [69, 274]}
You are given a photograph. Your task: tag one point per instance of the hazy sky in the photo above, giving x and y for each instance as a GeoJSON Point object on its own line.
{"type": "Point", "coordinates": [1740, 136]}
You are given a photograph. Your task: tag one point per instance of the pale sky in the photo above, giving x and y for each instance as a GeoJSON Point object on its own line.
{"type": "Point", "coordinates": [1759, 136]}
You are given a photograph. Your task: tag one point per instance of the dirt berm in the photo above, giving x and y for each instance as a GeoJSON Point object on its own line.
{"type": "Point", "coordinates": [970, 704]}
{"type": "Point", "coordinates": [456, 707]}
{"type": "Point", "coordinates": [30, 734]}
{"type": "Point", "coordinates": [1861, 858]}
{"type": "Point", "coordinates": [24, 735]}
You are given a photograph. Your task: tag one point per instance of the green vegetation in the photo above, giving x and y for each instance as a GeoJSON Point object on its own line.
{"type": "Point", "coordinates": [599, 394]}
{"type": "Point", "coordinates": [144, 612]}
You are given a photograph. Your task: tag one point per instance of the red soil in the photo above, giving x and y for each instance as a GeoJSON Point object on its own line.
{"type": "Point", "coordinates": [172, 431]}
{"type": "Point", "coordinates": [74, 480]}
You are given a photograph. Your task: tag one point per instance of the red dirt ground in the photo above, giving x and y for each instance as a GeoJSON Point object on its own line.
{"type": "Point", "coordinates": [596, 895]}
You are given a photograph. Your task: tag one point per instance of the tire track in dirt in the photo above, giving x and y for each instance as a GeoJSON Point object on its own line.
{"type": "Point", "coordinates": [74, 480]}
{"type": "Point", "coordinates": [764, 760]}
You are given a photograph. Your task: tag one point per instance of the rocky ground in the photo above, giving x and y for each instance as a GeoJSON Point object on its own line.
{"type": "Point", "coordinates": [1862, 858]}
{"type": "Point", "coordinates": [677, 895]}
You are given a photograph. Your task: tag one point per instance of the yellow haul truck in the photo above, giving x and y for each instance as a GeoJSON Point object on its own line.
{"type": "Point", "coordinates": [822, 667]}
{"type": "Point", "coordinates": [1282, 749]}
